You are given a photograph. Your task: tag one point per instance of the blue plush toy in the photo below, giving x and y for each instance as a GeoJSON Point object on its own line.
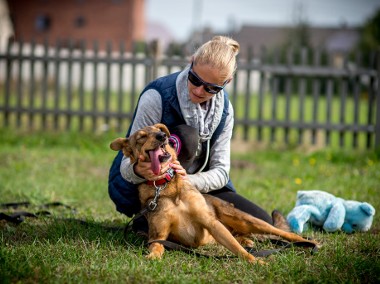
{"type": "Point", "coordinates": [332, 213]}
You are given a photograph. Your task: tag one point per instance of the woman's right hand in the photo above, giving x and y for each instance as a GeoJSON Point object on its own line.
{"type": "Point", "coordinates": [142, 169]}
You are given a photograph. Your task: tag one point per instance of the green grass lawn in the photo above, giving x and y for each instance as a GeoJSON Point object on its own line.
{"type": "Point", "coordinates": [73, 168]}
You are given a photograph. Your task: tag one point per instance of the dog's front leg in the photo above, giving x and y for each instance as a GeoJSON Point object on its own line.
{"type": "Point", "coordinates": [156, 250]}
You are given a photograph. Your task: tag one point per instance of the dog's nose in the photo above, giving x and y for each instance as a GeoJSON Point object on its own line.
{"type": "Point", "coordinates": [161, 136]}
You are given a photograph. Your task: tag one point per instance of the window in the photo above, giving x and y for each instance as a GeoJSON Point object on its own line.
{"type": "Point", "coordinates": [79, 22]}
{"type": "Point", "coordinates": [42, 23]}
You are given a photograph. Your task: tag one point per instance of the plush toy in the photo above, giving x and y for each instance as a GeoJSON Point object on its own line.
{"type": "Point", "coordinates": [332, 213]}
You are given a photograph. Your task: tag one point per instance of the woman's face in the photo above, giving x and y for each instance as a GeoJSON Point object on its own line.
{"type": "Point", "coordinates": [208, 75]}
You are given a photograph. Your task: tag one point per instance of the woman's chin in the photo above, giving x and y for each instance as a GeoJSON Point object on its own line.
{"type": "Point", "coordinates": [196, 100]}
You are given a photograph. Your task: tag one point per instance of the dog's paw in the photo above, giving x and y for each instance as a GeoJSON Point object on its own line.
{"type": "Point", "coordinates": [253, 260]}
{"type": "Point", "coordinates": [262, 262]}
{"type": "Point", "coordinates": [245, 242]}
{"type": "Point", "coordinates": [258, 261]}
{"type": "Point", "coordinates": [154, 255]}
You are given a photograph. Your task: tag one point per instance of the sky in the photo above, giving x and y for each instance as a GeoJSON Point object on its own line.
{"type": "Point", "coordinates": [181, 17]}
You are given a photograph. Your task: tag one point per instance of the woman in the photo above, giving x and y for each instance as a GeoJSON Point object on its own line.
{"type": "Point", "coordinates": [193, 102]}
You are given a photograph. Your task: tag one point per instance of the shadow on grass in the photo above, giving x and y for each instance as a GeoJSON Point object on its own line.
{"type": "Point", "coordinates": [54, 229]}
{"type": "Point", "coordinates": [24, 223]}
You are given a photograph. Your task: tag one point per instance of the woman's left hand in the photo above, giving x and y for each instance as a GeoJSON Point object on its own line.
{"type": "Point", "coordinates": [179, 169]}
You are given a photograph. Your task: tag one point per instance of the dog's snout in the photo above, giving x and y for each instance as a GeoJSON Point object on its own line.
{"type": "Point", "coordinates": [161, 136]}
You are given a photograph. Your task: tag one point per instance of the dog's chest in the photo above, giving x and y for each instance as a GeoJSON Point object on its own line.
{"type": "Point", "coordinates": [186, 228]}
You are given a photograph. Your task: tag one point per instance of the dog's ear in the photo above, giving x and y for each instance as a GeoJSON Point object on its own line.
{"type": "Point", "coordinates": [163, 128]}
{"type": "Point", "coordinates": [122, 144]}
{"type": "Point", "coordinates": [119, 143]}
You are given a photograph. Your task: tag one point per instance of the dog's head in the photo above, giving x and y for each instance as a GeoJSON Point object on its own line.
{"type": "Point", "coordinates": [152, 142]}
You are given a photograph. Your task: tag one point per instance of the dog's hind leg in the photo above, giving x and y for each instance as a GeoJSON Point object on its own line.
{"type": "Point", "coordinates": [241, 223]}
{"type": "Point", "coordinates": [223, 236]}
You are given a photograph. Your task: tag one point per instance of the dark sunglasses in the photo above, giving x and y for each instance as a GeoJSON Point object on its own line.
{"type": "Point", "coordinates": [209, 88]}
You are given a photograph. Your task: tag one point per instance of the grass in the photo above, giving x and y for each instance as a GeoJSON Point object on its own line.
{"type": "Point", "coordinates": [72, 168]}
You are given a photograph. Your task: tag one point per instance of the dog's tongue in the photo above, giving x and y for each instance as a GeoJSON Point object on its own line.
{"type": "Point", "coordinates": [154, 157]}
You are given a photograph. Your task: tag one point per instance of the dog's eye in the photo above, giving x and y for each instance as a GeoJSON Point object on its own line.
{"type": "Point", "coordinates": [140, 135]}
{"type": "Point", "coordinates": [141, 138]}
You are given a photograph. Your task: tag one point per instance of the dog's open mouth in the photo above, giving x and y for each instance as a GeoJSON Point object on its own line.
{"type": "Point", "coordinates": [157, 157]}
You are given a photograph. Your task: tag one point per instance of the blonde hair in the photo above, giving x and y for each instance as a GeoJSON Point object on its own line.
{"type": "Point", "coordinates": [220, 52]}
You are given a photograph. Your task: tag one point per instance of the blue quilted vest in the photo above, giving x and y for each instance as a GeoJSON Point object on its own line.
{"type": "Point", "coordinates": [125, 194]}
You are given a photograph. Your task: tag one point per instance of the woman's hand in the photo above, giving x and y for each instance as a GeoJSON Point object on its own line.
{"type": "Point", "coordinates": [179, 169]}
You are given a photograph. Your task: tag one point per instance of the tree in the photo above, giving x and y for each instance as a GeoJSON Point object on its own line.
{"type": "Point", "coordinates": [370, 36]}
{"type": "Point", "coordinates": [298, 36]}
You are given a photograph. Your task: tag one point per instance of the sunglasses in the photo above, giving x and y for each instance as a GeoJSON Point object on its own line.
{"type": "Point", "coordinates": [209, 88]}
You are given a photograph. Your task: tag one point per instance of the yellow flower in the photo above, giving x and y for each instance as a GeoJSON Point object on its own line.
{"type": "Point", "coordinates": [296, 162]}
{"type": "Point", "coordinates": [312, 161]}
{"type": "Point", "coordinates": [298, 181]}
{"type": "Point", "coordinates": [369, 162]}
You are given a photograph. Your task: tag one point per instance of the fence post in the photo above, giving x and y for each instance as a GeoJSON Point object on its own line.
{"type": "Point", "coordinates": [377, 122]}
{"type": "Point", "coordinates": [156, 54]}
{"type": "Point", "coordinates": [8, 79]}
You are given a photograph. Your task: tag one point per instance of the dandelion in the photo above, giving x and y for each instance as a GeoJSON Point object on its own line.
{"type": "Point", "coordinates": [369, 162]}
{"type": "Point", "coordinates": [296, 162]}
{"type": "Point", "coordinates": [312, 161]}
{"type": "Point", "coordinates": [298, 181]}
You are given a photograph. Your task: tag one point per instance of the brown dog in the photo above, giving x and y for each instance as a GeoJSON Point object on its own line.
{"type": "Point", "coordinates": [180, 212]}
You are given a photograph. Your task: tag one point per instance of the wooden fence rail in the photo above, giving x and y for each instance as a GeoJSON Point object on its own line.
{"type": "Point", "coordinates": [303, 101]}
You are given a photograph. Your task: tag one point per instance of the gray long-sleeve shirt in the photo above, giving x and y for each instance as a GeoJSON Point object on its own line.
{"type": "Point", "coordinates": [149, 112]}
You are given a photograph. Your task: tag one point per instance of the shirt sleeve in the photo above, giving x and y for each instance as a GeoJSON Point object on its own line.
{"type": "Point", "coordinates": [149, 111]}
{"type": "Point", "coordinates": [220, 160]}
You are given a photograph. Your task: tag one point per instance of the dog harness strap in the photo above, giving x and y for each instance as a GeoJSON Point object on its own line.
{"type": "Point", "coordinates": [168, 177]}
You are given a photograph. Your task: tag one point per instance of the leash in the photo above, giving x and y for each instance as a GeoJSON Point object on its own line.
{"type": "Point", "coordinates": [256, 253]}
{"type": "Point", "coordinates": [152, 205]}
{"type": "Point", "coordinates": [159, 186]}
{"type": "Point", "coordinates": [19, 216]}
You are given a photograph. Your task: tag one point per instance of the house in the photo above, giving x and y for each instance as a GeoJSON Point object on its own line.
{"type": "Point", "coordinates": [104, 21]}
{"type": "Point", "coordinates": [337, 41]}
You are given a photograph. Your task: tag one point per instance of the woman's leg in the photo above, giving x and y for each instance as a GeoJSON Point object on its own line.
{"type": "Point", "coordinates": [242, 203]}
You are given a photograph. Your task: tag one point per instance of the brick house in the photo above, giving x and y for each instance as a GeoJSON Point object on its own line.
{"type": "Point", "coordinates": [113, 21]}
